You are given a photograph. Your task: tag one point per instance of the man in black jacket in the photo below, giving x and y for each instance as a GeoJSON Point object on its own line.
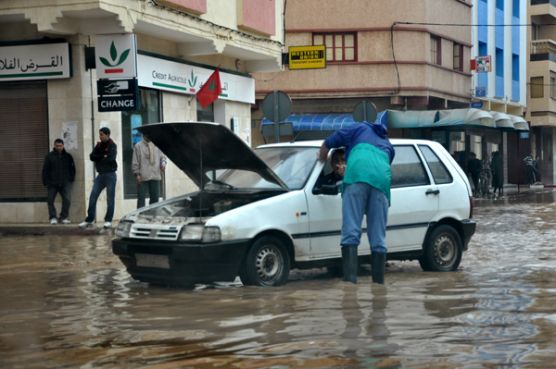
{"type": "Point", "coordinates": [58, 173]}
{"type": "Point", "coordinates": [104, 157]}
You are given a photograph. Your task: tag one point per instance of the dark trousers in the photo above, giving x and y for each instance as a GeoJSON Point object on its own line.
{"type": "Point", "coordinates": [102, 181]}
{"type": "Point", "coordinates": [64, 191]}
{"type": "Point", "coordinates": [151, 187]}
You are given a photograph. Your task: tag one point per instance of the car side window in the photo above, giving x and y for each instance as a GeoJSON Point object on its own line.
{"type": "Point", "coordinates": [407, 168]}
{"type": "Point", "coordinates": [439, 171]}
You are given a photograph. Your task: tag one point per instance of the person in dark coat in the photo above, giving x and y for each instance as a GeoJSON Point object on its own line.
{"type": "Point", "coordinates": [497, 173]}
{"type": "Point", "coordinates": [104, 156]}
{"type": "Point", "coordinates": [474, 166]}
{"type": "Point", "coordinates": [58, 174]}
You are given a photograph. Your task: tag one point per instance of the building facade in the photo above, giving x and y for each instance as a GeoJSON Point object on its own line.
{"type": "Point", "coordinates": [395, 53]}
{"type": "Point", "coordinates": [499, 35]}
{"type": "Point", "coordinates": [48, 84]}
{"type": "Point", "coordinates": [541, 75]}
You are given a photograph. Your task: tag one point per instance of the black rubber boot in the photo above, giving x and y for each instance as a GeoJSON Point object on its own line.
{"type": "Point", "coordinates": [349, 263]}
{"type": "Point", "coordinates": [378, 264]}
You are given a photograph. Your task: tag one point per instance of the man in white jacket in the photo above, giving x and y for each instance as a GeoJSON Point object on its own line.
{"type": "Point", "coordinates": [148, 164]}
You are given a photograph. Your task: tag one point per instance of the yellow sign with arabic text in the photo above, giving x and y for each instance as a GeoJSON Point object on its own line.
{"type": "Point", "coordinates": [307, 57]}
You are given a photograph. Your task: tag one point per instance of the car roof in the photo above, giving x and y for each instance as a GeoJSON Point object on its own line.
{"type": "Point", "coordinates": [318, 143]}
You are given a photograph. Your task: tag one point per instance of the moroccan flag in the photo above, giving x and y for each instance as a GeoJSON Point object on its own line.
{"type": "Point", "coordinates": [210, 90]}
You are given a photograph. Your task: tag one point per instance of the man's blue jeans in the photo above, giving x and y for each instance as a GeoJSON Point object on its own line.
{"type": "Point", "coordinates": [360, 199]}
{"type": "Point", "coordinates": [102, 181]}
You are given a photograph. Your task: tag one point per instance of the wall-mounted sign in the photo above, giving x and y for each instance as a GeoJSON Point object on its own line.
{"type": "Point", "coordinates": [174, 76]}
{"type": "Point", "coordinates": [482, 64]}
{"type": "Point", "coordinates": [116, 56]}
{"type": "Point", "coordinates": [480, 91]}
{"type": "Point", "coordinates": [307, 57]}
{"type": "Point", "coordinates": [38, 61]}
{"type": "Point", "coordinates": [117, 95]}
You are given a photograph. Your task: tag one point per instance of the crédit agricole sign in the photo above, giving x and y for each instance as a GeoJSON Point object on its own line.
{"type": "Point", "coordinates": [167, 75]}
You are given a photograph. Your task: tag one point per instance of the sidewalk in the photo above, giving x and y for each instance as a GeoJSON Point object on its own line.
{"type": "Point", "coordinates": [42, 229]}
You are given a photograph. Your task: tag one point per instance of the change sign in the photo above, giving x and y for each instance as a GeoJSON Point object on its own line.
{"type": "Point", "coordinates": [117, 95]}
{"type": "Point", "coordinates": [307, 57]}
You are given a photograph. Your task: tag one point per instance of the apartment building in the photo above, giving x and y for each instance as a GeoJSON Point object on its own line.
{"type": "Point", "coordinates": [397, 54]}
{"type": "Point", "coordinates": [48, 84]}
{"type": "Point", "coordinates": [541, 75]}
{"type": "Point", "coordinates": [411, 58]}
{"type": "Point", "coordinates": [499, 34]}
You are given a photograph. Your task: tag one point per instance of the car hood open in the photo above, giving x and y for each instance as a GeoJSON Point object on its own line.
{"type": "Point", "coordinates": [198, 147]}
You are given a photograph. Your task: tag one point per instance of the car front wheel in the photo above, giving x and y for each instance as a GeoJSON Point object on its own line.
{"type": "Point", "coordinates": [442, 250]}
{"type": "Point", "coordinates": [267, 263]}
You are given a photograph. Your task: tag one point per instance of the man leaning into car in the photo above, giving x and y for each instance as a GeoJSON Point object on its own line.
{"type": "Point", "coordinates": [366, 191]}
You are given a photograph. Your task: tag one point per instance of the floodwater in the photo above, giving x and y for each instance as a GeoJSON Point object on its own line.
{"type": "Point", "coordinates": [67, 302]}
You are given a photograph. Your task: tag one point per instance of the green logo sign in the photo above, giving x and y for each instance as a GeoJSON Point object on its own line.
{"type": "Point", "coordinates": [114, 57]}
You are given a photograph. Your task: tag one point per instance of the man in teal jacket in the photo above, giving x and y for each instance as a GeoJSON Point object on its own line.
{"type": "Point", "coordinates": [369, 154]}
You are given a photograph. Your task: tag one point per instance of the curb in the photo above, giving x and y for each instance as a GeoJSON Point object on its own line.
{"type": "Point", "coordinates": [43, 230]}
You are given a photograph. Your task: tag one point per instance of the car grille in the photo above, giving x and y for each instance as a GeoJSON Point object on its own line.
{"type": "Point", "coordinates": [155, 231]}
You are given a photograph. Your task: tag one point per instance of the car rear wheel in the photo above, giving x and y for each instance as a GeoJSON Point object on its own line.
{"type": "Point", "coordinates": [442, 251]}
{"type": "Point", "coordinates": [267, 263]}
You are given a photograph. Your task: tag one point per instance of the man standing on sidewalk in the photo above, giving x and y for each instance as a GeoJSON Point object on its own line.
{"type": "Point", "coordinates": [58, 173]}
{"type": "Point", "coordinates": [148, 164]}
{"type": "Point", "coordinates": [104, 157]}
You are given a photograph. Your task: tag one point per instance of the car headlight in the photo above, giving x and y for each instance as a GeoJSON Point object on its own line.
{"type": "Point", "coordinates": [200, 233]}
{"type": "Point", "coordinates": [123, 229]}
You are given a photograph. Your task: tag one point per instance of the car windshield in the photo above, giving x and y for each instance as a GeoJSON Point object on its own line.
{"type": "Point", "coordinates": [292, 164]}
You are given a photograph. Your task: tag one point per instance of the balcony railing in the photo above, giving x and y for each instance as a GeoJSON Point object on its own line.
{"type": "Point", "coordinates": [539, 2]}
{"type": "Point", "coordinates": [543, 46]}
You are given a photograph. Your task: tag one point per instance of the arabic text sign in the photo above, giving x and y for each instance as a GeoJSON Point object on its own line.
{"type": "Point", "coordinates": [116, 56]}
{"type": "Point", "coordinates": [183, 78]}
{"type": "Point", "coordinates": [307, 57]}
{"type": "Point", "coordinates": [39, 61]}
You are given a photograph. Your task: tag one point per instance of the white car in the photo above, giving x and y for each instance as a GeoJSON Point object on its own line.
{"type": "Point", "coordinates": [259, 214]}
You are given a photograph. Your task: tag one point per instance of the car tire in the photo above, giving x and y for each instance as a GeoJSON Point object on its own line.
{"type": "Point", "coordinates": [442, 250]}
{"type": "Point", "coordinates": [266, 264]}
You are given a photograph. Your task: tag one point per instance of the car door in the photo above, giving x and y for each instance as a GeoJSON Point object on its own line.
{"type": "Point", "coordinates": [414, 201]}
{"type": "Point", "coordinates": [325, 220]}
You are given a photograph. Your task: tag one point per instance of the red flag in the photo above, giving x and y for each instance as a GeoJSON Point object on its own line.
{"type": "Point", "coordinates": [210, 90]}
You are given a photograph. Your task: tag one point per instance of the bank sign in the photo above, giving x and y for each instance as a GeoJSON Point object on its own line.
{"type": "Point", "coordinates": [178, 77]}
{"type": "Point", "coordinates": [38, 61]}
{"type": "Point", "coordinates": [116, 56]}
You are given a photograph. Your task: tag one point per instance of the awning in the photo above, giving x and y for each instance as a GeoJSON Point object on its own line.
{"type": "Point", "coordinates": [323, 122]}
{"type": "Point", "coordinates": [520, 124]}
{"type": "Point", "coordinates": [502, 120]}
{"type": "Point", "coordinates": [316, 122]}
{"type": "Point", "coordinates": [412, 118]}
{"type": "Point", "coordinates": [464, 117]}
{"type": "Point", "coordinates": [455, 118]}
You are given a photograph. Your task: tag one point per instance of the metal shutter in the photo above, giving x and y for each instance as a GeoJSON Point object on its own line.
{"type": "Point", "coordinates": [23, 140]}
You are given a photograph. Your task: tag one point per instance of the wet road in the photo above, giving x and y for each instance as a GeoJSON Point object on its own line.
{"type": "Point", "coordinates": [67, 302]}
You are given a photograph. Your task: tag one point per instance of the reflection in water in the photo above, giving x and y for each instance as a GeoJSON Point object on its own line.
{"type": "Point", "coordinates": [68, 302]}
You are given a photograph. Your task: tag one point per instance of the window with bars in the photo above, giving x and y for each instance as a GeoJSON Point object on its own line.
{"type": "Point", "coordinates": [458, 57]}
{"type": "Point", "coordinates": [340, 47]}
{"type": "Point", "coordinates": [436, 52]}
{"type": "Point", "coordinates": [537, 87]}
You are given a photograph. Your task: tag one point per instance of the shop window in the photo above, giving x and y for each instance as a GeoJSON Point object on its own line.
{"type": "Point", "coordinates": [436, 52]}
{"type": "Point", "coordinates": [340, 47]}
{"type": "Point", "coordinates": [537, 87]}
{"type": "Point", "coordinates": [458, 57]}
{"type": "Point", "coordinates": [150, 108]}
